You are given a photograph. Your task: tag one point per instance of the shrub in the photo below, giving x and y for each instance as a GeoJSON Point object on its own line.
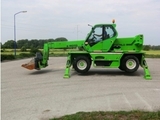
{"type": "Point", "coordinates": [152, 56]}
{"type": "Point", "coordinates": [26, 55]}
{"type": "Point", "coordinates": [34, 50]}
{"type": "Point", "coordinates": [2, 50]}
{"type": "Point", "coordinates": [23, 49]}
{"type": "Point", "coordinates": [7, 57]}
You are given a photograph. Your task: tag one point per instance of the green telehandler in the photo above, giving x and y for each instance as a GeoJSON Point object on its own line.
{"type": "Point", "coordinates": [102, 48]}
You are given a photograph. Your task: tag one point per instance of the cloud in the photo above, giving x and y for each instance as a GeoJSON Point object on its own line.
{"type": "Point", "coordinates": [55, 18]}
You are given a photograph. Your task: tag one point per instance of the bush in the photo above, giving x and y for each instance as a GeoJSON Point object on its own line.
{"type": "Point", "coordinates": [2, 50]}
{"type": "Point", "coordinates": [12, 57]}
{"type": "Point", "coordinates": [7, 57]}
{"type": "Point", "coordinates": [147, 47]}
{"type": "Point", "coordinates": [23, 49]}
{"type": "Point", "coordinates": [152, 56]}
{"type": "Point", "coordinates": [26, 55]}
{"type": "Point", "coordinates": [34, 50]}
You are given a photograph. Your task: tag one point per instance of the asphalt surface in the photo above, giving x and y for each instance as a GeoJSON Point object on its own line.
{"type": "Point", "coordinates": [44, 94]}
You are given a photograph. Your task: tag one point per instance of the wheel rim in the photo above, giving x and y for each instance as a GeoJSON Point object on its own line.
{"type": "Point", "coordinates": [81, 64]}
{"type": "Point", "coordinates": [131, 64]}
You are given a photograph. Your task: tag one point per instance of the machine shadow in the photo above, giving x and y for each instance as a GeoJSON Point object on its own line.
{"type": "Point", "coordinates": [42, 71]}
{"type": "Point", "coordinates": [110, 73]}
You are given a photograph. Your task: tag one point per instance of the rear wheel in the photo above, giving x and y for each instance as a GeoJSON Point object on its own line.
{"type": "Point", "coordinates": [130, 64]}
{"type": "Point", "coordinates": [82, 64]}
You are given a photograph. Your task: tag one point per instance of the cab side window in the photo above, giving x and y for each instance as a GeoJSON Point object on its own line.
{"type": "Point", "coordinates": [97, 34]}
{"type": "Point", "coordinates": [110, 32]}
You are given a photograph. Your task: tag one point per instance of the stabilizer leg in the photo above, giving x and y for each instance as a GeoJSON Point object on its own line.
{"type": "Point", "coordinates": [147, 74]}
{"type": "Point", "coordinates": [68, 65]}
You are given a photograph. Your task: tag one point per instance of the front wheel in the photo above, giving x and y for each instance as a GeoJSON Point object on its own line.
{"type": "Point", "coordinates": [130, 64]}
{"type": "Point", "coordinates": [82, 64]}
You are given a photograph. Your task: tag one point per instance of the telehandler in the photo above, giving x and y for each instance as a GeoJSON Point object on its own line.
{"type": "Point", "coordinates": [100, 48]}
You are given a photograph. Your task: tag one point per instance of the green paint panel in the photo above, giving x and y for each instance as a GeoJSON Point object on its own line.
{"type": "Point", "coordinates": [106, 56]}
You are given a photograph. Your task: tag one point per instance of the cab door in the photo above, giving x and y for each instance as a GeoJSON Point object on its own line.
{"type": "Point", "coordinates": [95, 39]}
{"type": "Point", "coordinates": [109, 37]}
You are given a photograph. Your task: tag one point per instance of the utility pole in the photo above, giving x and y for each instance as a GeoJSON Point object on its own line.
{"type": "Point", "coordinates": [15, 30]}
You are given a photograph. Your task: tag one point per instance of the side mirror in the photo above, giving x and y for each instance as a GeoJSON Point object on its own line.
{"type": "Point", "coordinates": [90, 25]}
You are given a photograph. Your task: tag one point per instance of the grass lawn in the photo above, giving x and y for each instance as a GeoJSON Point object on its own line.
{"type": "Point", "coordinates": [12, 53]}
{"type": "Point", "coordinates": [120, 115]}
{"type": "Point", "coordinates": [153, 52]}
{"type": "Point", "coordinates": [18, 51]}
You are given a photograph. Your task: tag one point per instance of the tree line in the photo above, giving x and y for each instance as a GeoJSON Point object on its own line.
{"type": "Point", "coordinates": [29, 44]}
{"type": "Point", "coordinates": [38, 44]}
{"type": "Point", "coordinates": [151, 47]}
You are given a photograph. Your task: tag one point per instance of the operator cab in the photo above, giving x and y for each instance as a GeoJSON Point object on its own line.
{"type": "Point", "coordinates": [99, 33]}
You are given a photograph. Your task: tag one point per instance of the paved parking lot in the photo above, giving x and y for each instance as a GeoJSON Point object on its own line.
{"type": "Point", "coordinates": [44, 94]}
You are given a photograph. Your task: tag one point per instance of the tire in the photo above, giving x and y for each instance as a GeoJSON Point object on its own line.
{"type": "Point", "coordinates": [82, 64]}
{"type": "Point", "coordinates": [121, 68]}
{"type": "Point", "coordinates": [130, 64]}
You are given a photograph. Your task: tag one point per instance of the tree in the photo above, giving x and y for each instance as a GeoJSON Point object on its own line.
{"type": "Point", "coordinates": [23, 49]}
{"type": "Point", "coordinates": [61, 39]}
{"type": "Point", "coordinates": [50, 40]}
{"type": "Point", "coordinates": [34, 50]}
{"type": "Point", "coordinates": [22, 43]}
{"type": "Point", "coordinates": [34, 43]}
{"type": "Point", "coordinates": [1, 44]}
{"type": "Point", "coordinates": [147, 47]}
{"type": "Point", "coordinates": [155, 47]}
{"type": "Point", "coordinates": [41, 43]}
{"type": "Point", "coordinates": [9, 44]}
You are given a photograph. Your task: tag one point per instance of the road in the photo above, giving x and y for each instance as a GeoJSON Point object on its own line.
{"type": "Point", "coordinates": [44, 94]}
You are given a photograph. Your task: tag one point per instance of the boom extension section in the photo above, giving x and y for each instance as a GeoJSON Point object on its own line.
{"type": "Point", "coordinates": [41, 60]}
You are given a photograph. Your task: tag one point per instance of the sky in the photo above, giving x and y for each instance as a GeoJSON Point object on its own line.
{"type": "Point", "coordinates": [47, 19]}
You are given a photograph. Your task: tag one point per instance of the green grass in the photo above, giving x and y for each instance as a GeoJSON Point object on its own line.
{"type": "Point", "coordinates": [153, 52]}
{"type": "Point", "coordinates": [120, 115]}
{"type": "Point", "coordinates": [12, 53]}
{"type": "Point", "coordinates": [18, 51]}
